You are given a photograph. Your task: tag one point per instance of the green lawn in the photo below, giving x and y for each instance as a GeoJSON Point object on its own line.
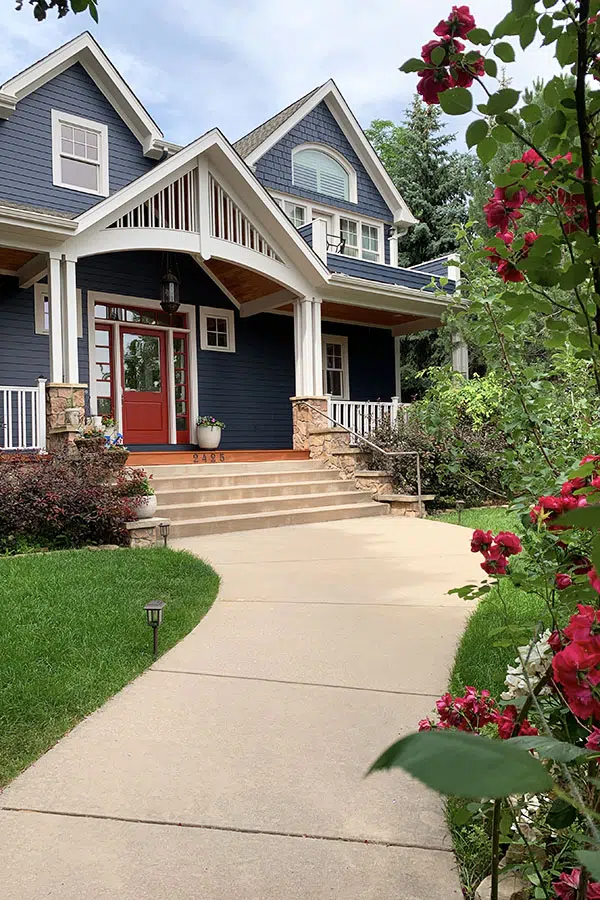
{"type": "Point", "coordinates": [477, 661]}
{"type": "Point", "coordinates": [73, 632]}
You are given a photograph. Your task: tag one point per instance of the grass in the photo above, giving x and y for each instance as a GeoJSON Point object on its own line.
{"type": "Point", "coordinates": [74, 633]}
{"type": "Point", "coordinates": [478, 662]}
{"type": "Point", "coordinates": [481, 664]}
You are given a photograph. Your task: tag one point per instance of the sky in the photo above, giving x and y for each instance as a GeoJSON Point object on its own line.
{"type": "Point", "coordinates": [197, 64]}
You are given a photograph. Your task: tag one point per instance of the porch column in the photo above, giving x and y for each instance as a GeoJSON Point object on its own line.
{"type": "Point", "coordinates": [55, 311]}
{"type": "Point", "coordinates": [460, 355]}
{"type": "Point", "coordinates": [317, 346]}
{"type": "Point", "coordinates": [398, 366]}
{"type": "Point", "coordinates": [69, 311]}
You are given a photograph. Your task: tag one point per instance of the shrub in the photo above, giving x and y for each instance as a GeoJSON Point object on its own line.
{"type": "Point", "coordinates": [465, 464]}
{"type": "Point", "coordinates": [55, 501]}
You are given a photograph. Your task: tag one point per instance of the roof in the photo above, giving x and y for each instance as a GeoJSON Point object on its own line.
{"type": "Point", "coordinates": [254, 145]}
{"type": "Point", "coordinates": [245, 145]}
{"type": "Point", "coordinates": [28, 207]}
{"type": "Point", "coordinates": [85, 50]}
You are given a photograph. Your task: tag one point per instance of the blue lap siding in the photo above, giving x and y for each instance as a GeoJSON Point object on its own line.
{"type": "Point", "coordinates": [370, 360]}
{"type": "Point", "coordinates": [26, 144]}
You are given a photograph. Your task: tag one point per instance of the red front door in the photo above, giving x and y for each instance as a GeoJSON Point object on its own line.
{"type": "Point", "coordinates": [145, 380]}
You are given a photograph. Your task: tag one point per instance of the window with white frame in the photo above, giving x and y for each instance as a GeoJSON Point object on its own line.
{"type": "Point", "coordinates": [349, 236]}
{"type": "Point", "coordinates": [79, 154]}
{"type": "Point", "coordinates": [316, 170]}
{"type": "Point", "coordinates": [296, 213]}
{"type": "Point", "coordinates": [42, 310]}
{"type": "Point", "coordinates": [335, 367]}
{"type": "Point", "coordinates": [370, 242]}
{"type": "Point", "coordinates": [217, 329]}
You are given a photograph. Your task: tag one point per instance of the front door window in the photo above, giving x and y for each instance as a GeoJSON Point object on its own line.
{"type": "Point", "coordinates": [145, 387]}
{"type": "Point", "coordinates": [141, 363]}
{"type": "Point", "coordinates": [335, 367]}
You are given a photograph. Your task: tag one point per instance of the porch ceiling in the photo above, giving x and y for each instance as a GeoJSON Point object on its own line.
{"type": "Point", "coordinates": [11, 260]}
{"type": "Point", "coordinates": [243, 284]}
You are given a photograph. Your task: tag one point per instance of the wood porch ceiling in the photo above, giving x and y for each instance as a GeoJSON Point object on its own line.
{"type": "Point", "coordinates": [12, 260]}
{"type": "Point", "coordinates": [244, 284]}
{"type": "Point", "coordinates": [361, 314]}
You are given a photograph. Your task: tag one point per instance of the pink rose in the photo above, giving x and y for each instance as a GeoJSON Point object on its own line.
{"type": "Point", "coordinates": [562, 581]}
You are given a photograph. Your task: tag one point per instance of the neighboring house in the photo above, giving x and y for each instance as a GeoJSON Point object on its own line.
{"type": "Point", "coordinates": [284, 245]}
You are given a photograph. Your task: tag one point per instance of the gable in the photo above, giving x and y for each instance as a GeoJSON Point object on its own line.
{"type": "Point", "coordinates": [274, 168]}
{"type": "Point", "coordinates": [26, 143]}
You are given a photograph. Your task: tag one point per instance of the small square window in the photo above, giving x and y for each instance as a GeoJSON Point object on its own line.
{"type": "Point", "coordinates": [217, 329]}
{"type": "Point", "coordinates": [79, 154]}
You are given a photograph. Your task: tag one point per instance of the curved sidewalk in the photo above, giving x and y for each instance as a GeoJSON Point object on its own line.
{"type": "Point", "coordinates": [234, 767]}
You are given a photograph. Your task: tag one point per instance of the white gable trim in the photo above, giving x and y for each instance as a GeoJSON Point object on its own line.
{"type": "Point", "coordinates": [345, 118]}
{"type": "Point", "coordinates": [84, 50]}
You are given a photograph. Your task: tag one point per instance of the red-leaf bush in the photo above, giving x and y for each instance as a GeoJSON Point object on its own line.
{"type": "Point", "coordinates": [55, 501]}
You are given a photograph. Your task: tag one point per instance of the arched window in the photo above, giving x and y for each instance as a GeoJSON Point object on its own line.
{"type": "Point", "coordinates": [315, 170]}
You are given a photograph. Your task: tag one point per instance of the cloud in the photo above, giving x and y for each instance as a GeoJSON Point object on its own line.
{"type": "Point", "coordinates": [196, 64]}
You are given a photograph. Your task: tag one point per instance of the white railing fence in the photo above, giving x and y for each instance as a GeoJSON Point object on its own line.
{"type": "Point", "coordinates": [23, 417]}
{"type": "Point", "coordinates": [174, 207]}
{"type": "Point", "coordinates": [364, 417]}
{"type": "Point", "coordinates": [229, 223]}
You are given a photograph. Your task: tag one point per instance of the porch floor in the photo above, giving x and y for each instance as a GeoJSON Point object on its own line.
{"type": "Point", "coordinates": [176, 456]}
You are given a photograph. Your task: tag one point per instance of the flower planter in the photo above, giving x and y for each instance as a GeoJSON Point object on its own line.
{"type": "Point", "coordinates": [143, 507]}
{"type": "Point", "coordinates": [209, 436]}
{"type": "Point", "coordinates": [91, 444]}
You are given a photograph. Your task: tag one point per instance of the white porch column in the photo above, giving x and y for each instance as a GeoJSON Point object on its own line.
{"type": "Point", "coordinates": [307, 346]}
{"type": "Point", "coordinates": [460, 355]}
{"type": "Point", "coordinates": [69, 321]}
{"type": "Point", "coordinates": [55, 311]}
{"type": "Point", "coordinates": [317, 347]}
{"type": "Point", "coordinates": [299, 388]}
{"type": "Point", "coordinates": [398, 366]}
{"type": "Point", "coordinates": [319, 239]}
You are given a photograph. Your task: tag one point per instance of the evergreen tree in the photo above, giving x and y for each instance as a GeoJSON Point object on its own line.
{"type": "Point", "coordinates": [434, 180]}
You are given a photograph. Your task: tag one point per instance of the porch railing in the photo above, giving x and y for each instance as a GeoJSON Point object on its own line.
{"type": "Point", "coordinates": [23, 417]}
{"type": "Point", "coordinates": [365, 417]}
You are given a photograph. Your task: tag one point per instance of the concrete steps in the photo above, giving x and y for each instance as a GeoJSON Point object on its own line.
{"type": "Point", "coordinates": [241, 496]}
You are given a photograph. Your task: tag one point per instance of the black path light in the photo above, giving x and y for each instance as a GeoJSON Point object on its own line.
{"type": "Point", "coordinates": [460, 505]}
{"type": "Point", "coordinates": [154, 615]}
{"type": "Point", "coordinates": [164, 531]}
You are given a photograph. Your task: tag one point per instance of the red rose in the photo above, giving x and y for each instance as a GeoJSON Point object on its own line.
{"type": "Point", "coordinates": [594, 580]}
{"type": "Point", "coordinates": [432, 82]}
{"type": "Point", "coordinates": [481, 540]}
{"type": "Point", "coordinates": [506, 723]}
{"type": "Point", "coordinates": [510, 543]}
{"type": "Point", "coordinates": [581, 623]}
{"type": "Point", "coordinates": [593, 741]}
{"type": "Point", "coordinates": [555, 642]}
{"type": "Point", "coordinates": [458, 24]}
{"type": "Point", "coordinates": [575, 484]}
{"type": "Point", "coordinates": [501, 209]}
{"type": "Point", "coordinates": [496, 562]}
{"type": "Point", "coordinates": [562, 581]}
{"type": "Point", "coordinates": [566, 886]}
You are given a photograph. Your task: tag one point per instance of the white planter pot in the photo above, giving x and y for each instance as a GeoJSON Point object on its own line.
{"type": "Point", "coordinates": [111, 431]}
{"type": "Point", "coordinates": [144, 507]}
{"type": "Point", "coordinates": [209, 436]}
{"type": "Point", "coordinates": [97, 421]}
{"type": "Point", "coordinates": [72, 415]}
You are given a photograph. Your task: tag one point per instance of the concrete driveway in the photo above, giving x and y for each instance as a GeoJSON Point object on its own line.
{"type": "Point", "coordinates": [233, 769]}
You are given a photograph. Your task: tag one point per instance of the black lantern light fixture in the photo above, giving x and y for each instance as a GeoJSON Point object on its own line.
{"type": "Point", "coordinates": [154, 615]}
{"type": "Point", "coordinates": [169, 287]}
{"type": "Point", "coordinates": [164, 527]}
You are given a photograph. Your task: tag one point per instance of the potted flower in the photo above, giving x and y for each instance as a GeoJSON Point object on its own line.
{"type": "Point", "coordinates": [110, 427]}
{"type": "Point", "coordinates": [209, 432]}
{"type": "Point", "coordinates": [91, 439]}
{"type": "Point", "coordinates": [135, 485]}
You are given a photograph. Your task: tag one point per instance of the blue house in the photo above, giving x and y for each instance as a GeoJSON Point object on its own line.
{"type": "Point", "coordinates": [153, 283]}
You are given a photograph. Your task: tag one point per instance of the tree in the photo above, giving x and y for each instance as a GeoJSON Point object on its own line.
{"type": "Point", "coordinates": [434, 181]}
{"type": "Point", "coordinates": [62, 7]}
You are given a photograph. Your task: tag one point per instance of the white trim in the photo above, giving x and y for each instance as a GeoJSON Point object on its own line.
{"type": "Point", "coordinates": [42, 293]}
{"type": "Point", "coordinates": [417, 325]}
{"type": "Point", "coordinates": [348, 290]}
{"type": "Point", "coordinates": [171, 391]}
{"type": "Point", "coordinates": [32, 271]}
{"type": "Point", "coordinates": [265, 304]}
{"type": "Point", "coordinates": [345, 118]}
{"type": "Point", "coordinates": [62, 118]}
{"type": "Point", "coordinates": [350, 171]}
{"type": "Point", "coordinates": [55, 328]}
{"type": "Point", "coordinates": [343, 341]}
{"type": "Point", "coordinates": [398, 366]}
{"type": "Point", "coordinates": [215, 312]}
{"type": "Point", "coordinates": [71, 315]}
{"type": "Point", "coordinates": [86, 51]}
{"type": "Point", "coordinates": [188, 309]}
{"type": "Point", "coordinates": [198, 259]}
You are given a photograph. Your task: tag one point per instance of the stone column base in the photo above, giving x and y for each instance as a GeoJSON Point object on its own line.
{"type": "Point", "coordinates": [60, 397]}
{"type": "Point", "coordinates": [144, 532]}
{"type": "Point", "coordinates": [306, 420]}
{"type": "Point", "coordinates": [375, 482]}
{"type": "Point", "coordinates": [62, 437]}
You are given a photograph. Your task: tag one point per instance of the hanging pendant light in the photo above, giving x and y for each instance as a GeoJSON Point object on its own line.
{"type": "Point", "coordinates": [169, 289]}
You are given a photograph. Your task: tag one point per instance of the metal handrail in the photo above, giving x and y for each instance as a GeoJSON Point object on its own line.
{"type": "Point", "coordinates": [381, 450]}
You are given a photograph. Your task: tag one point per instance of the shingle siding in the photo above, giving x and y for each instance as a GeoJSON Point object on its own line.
{"type": "Point", "coordinates": [434, 267]}
{"type": "Point", "coordinates": [360, 268]}
{"type": "Point", "coordinates": [274, 169]}
{"type": "Point", "coordinates": [26, 143]}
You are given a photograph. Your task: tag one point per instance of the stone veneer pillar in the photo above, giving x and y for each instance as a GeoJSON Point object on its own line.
{"type": "Point", "coordinates": [60, 396]}
{"type": "Point", "coordinates": [306, 420]}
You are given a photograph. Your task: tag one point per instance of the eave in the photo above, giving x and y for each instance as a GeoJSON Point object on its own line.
{"type": "Point", "coordinates": [347, 289]}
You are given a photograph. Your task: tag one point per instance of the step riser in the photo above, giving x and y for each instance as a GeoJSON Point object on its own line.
{"type": "Point", "coordinates": [196, 482]}
{"type": "Point", "coordinates": [251, 468]}
{"type": "Point", "coordinates": [302, 517]}
{"type": "Point", "coordinates": [246, 492]}
{"type": "Point", "coordinates": [249, 507]}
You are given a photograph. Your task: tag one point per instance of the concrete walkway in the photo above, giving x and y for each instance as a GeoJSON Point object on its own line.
{"type": "Point", "coordinates": [233, 769]}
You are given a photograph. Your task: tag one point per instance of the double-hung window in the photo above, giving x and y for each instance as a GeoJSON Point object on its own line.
{"type": "Point", "coordinates": [349, 236]}
{"type": "Point", "coordinates": [370, 242]}
{"type": "Point", "coordinates": [79, 154]}
{"type": "Point", "coordinates": [335, 366]}
{"type": "Point", "coordinates": [296, 213]}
